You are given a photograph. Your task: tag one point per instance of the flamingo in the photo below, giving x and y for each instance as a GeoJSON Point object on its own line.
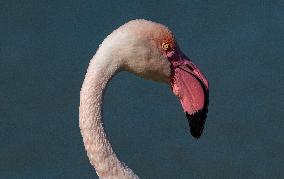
{"type": "Point", "coordinates": [149, 50]}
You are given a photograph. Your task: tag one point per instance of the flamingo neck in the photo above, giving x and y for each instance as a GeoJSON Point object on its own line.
{"type": "Point", "coordinates": [99, 150]}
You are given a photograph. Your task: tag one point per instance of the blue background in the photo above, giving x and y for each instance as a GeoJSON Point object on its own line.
{"type": "Point", "coordinates": [45, 48]}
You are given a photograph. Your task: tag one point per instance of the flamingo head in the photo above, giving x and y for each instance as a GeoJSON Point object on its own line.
{"type": "Point", "coordinates": [153, 53]}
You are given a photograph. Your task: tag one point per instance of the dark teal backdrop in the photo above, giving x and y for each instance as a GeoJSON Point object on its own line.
{"type": "Point", "coordinates": [45, 48]}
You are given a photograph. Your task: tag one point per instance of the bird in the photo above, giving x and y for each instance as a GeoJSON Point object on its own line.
{"type": "Point", "coordinates": [149, 50]}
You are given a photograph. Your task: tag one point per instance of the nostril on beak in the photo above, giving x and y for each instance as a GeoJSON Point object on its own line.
{"type": "Point", "coordinates": [190, 67]}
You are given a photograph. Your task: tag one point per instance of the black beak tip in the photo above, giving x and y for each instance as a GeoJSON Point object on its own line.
{"type": "Point", "coordinates": [195, 134]}
{"type": "Point", "coordinates": [196, 123]}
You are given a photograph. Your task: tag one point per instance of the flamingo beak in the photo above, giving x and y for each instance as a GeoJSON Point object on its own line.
{"type": "Point", "coordinates": [192, 89]}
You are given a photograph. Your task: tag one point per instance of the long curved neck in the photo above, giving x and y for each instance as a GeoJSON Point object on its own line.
{"type": "Point", "coordinates": [99, 150]}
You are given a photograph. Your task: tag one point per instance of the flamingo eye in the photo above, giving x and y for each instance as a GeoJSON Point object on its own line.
{"type": "Point", "coordinates": [165, 45]}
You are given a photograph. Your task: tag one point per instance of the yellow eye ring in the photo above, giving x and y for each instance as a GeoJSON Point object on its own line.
{"type": "Point", "coordinates": [165, 45]}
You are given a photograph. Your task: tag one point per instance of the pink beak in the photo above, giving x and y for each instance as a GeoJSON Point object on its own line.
{"type": "Point", "coordinates": [192, 89]}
